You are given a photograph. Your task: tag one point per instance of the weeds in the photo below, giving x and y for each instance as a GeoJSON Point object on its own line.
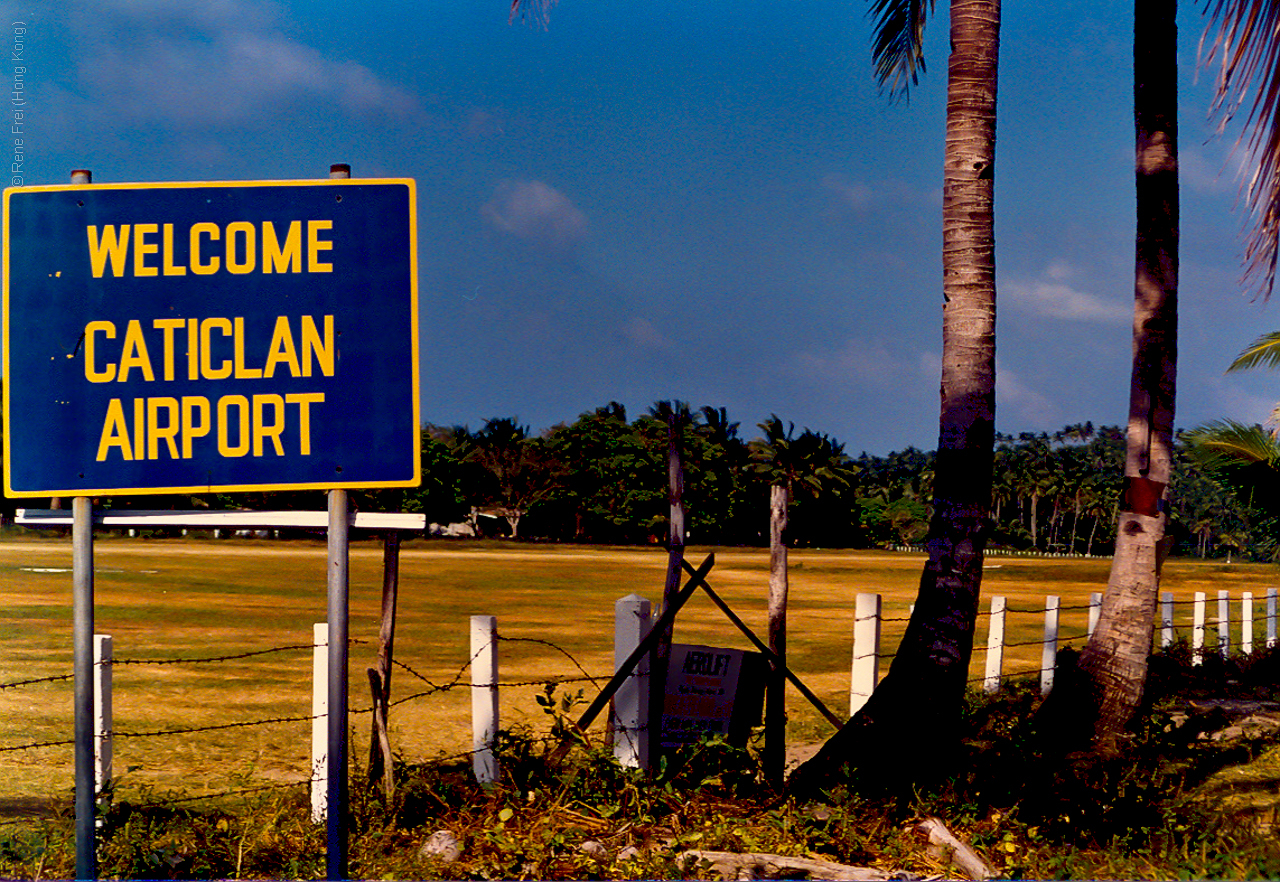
{"type": "Point", "coordinates": [1155, 812]}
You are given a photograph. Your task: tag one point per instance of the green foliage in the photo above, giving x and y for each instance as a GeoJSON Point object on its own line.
{"type": "Point", "coordinates": [1143, 814]}
{"type": "Point", "coordinates": [603, 479]}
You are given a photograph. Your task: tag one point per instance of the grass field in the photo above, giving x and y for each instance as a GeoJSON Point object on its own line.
{"type": "Point", "coordinates": [186, 599]}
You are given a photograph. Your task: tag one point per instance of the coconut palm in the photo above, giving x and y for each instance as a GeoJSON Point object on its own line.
{"type": "Point", "coordinates": [808, 463]}
{"type": "Point", "coordinates": [920, 697]}
{"type": "Point", "coordinates": [1115, 659]}
{"type": "Point", "coordinates": [1246, 50]}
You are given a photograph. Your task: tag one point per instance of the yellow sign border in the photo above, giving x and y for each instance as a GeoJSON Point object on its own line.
{"type": "Point", "coordinates": [415, 481]}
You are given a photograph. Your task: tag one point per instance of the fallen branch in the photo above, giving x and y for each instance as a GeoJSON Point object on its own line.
{"type": "Point", "coordinates": [754, 865]}
{"type": "Point", "coordinates": [945, 846]}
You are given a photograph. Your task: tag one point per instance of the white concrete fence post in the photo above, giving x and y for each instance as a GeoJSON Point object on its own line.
{"type": "Point", "coordinates": [1049, 656]}
{"type": "Point", "coordinates": [484, 697]}
{"type": "Point", "coordinates": [632, 619]}
{"type": "Point", "coordinates": [866, 650]}
{"type": "Point", "coordinates": [1095, 610]}
{"type": "Point", "coordinates": [319, 722]}
{"type": "Point", "coordinates": [1246, 623]}
{"type": "Point", "coordinates": [995, 646]}
{"type": "Point", "coordinates": [102, 717]}
{"type": "Point", "coordinates": [1197, 629]}
{"type": "Point", "coordinates": [1166, 618]}
{"type": "Point", "coordinates": [1224, 623]}
{"type": "Point", "coordinates": [1272, 594]}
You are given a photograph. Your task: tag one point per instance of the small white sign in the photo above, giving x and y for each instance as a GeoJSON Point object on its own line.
{"type": "Point", "coordinates": [704, 685]}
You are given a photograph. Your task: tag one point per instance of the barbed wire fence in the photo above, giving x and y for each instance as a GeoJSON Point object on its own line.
{"type": "Point", "coordinates": [458, 679]}
{"type": "Point", "coordinates": [1187, 620]}
{"type": "Point", "coordinates": [1176, 619]}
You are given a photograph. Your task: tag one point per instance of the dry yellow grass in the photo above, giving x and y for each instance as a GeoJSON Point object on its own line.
{"type": "Point", "coordinates": [163, 600]}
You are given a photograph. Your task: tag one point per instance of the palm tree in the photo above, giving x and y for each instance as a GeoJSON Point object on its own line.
{"type": "Point", "coordinates": [1244, 458]}
{"type": "Point", "coordinates": [1247, 51]}
{"type": "Point", "coordinates": [1115, 659]}
{"type": "Point", "coordinates": [931, 666]}
{"type": "Point", "coordinates": [810, 463]}
{"type": "Point", "coordinates": [920, 697]}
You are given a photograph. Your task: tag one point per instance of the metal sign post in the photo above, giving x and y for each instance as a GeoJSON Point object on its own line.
{"type": "Point", "coordinates": [338, 593]}
{"type": "Point", "coordinates": [82, 639]}
{"type": "Point", "coordinates": [82, 668]}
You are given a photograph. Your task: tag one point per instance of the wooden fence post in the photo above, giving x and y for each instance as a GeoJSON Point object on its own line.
{"type": "Point", "coordinates": [484, 697]}
{"type": "Point", "coordinates": [102, 717]}
{"type": "Point", "coordinates": [632, 728]}
{"type": "Point", "coordinates": [1166, 618]}
{"type": "Point", "coordinates": [1197, 629]}
{"type": "Point", "coordinates": [320, 723]}
{"type": "Point", "coordinates": [866, 650]}
{"type": "Point", "coordinates": [1049, 656]}
{"type": "Point", "coordinates": [995, 646]}
{"type": "Point", "coordinates": [1246, 623]}
{"type": "Point", "coordinates": [381, 761]}
{"type": "Point", "coordinates": [1095, 610]}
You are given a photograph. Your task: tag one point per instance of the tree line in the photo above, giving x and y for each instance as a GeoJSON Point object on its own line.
{"type": "Point", "coordinates": [602, 479]}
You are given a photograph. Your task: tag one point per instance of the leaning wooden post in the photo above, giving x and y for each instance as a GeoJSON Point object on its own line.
{"type": "Point", "coordinates": [774, 755]}
{"type": "Point", "coordinates": [995, 646]}
{"type": "Point", "coordinates": [1049, 655]}
{"type": "Point", "coordinates": [866, 650]}
{"type": "Point", "coordinates": [484, 697]}
{"type": "Point", "coordinates": [633, 727]}
{"type": "Point", "coordinates": [675, 561]}
{"type": "Point", "coordinates": [380, 759]}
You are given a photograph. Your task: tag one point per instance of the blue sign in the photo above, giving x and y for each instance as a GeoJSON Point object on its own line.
{"type": "Point", "coordinates": [187, 338]}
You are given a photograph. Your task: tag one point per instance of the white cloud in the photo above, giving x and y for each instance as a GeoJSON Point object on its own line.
{"type": "Point", "coordinates": [1018, 404]}
{"type": "Point", "coordinates": [1050, 296]}
{"type": "Point", "coordinates": [538, 213]}
{"type": "Point", "coordinates": [218, 63]}
{"type": "Point", "coordinates": [852, 195]}
{"type": "Point", "coordinates": [642, 332]}
{"type": "Point", "coordinates": [866, 365]}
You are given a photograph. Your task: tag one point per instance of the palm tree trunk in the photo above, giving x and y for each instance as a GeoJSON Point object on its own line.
{"type": "Point", "coordinates": [775, 735]}
{"type": "Point", "coordinates": [917, 705]}
{"type": "Point", "coordinates": [1075, 525]}
{"type": "Point", "coordinates": [1115, 659]}
{"type": "Point", "coordinates": [1035, 511]}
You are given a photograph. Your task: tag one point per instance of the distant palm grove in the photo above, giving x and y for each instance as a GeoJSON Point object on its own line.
{"type": "Point", "coordinates": [603, 479]}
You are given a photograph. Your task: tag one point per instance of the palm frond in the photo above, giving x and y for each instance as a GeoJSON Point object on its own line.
{"type": "Point", "coordinates": [1263, 352]}
{"type": "Point", "coordinates": [1227, 444]}
{"type": "Point", "coordinates": [1246, 51]}
{"type": "Point", "coordinates": [539, 11]}
{"type": "Point", "coordinates": [898, 44]}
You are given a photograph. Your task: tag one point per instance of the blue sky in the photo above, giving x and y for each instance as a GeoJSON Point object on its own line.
{"type": "Point", "coordinates": [707, 201]}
